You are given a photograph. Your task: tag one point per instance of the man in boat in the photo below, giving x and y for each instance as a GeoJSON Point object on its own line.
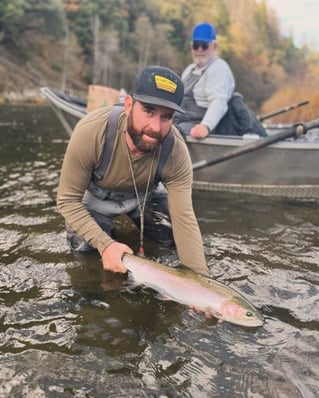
{"type": "Point", "coordinates": [210, 103]}
{"type": "Point", "coordinates": [148, 175]}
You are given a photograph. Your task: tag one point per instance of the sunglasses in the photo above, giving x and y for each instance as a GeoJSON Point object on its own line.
{"type": "Point", "coordinates": [197, 44]}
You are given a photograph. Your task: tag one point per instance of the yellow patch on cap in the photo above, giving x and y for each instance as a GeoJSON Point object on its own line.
{"type": "Point", "coordinates": [162, 83]}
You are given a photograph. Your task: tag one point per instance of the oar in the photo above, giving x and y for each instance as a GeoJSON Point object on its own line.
{"type": "Point", "coordinates": [295, 131]}
{"type": "Point", "coordinates": [282, 110]}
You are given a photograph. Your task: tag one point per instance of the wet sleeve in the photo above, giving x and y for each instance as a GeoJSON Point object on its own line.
{"type": "Point", "coordinates": [186, 230]}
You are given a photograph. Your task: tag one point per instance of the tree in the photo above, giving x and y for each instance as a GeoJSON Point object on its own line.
{"type": "Point", "coordinates": [17, 17]}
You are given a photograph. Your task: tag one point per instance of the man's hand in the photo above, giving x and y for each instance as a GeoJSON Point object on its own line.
{"type": "Point", "coordinates": [112, 257]}
{"type": "Point", "coordinates": [199, 131]}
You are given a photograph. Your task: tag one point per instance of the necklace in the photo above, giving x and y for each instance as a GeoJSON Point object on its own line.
{"type": "Point", "coordinates": [141, 206]}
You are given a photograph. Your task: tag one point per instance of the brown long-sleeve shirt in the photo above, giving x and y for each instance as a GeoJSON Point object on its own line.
{"type": "Point", "coordinates": [82, 156]}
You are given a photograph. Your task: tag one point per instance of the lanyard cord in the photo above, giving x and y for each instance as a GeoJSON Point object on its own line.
{"type": "Point", "coordinates": [140, 206]}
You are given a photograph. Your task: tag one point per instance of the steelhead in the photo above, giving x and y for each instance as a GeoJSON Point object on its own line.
{"type": "Point", "coordinates": [187, 287]}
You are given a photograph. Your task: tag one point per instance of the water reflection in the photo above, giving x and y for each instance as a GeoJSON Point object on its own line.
{"type": "Point", "coordinates": [69, 329]}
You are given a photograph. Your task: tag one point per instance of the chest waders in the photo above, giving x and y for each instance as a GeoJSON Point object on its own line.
{"type": "Point", "coordinates": [195, 113]}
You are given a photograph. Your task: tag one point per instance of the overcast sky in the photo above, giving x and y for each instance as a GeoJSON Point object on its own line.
{"type": "Point", "coordinates": [299, 19]}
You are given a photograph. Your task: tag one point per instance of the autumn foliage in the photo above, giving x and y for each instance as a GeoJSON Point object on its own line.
{"type": "Point", "coordinates": [77, 43]}
{"type": "Point", "coordinates": [299, 90]}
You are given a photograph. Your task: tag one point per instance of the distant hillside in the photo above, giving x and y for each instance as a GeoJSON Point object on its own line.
{"type": "Point", "coordinates": [23, 73]}
{"type": "Point", "coordinates": [21, 79]}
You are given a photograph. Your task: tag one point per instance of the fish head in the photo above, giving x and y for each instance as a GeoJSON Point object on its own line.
{"type": "Point", "coordinates": [240, 313]}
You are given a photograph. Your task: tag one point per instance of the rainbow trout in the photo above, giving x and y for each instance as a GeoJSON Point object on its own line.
{"type": "Point", "coordinates": [187, 287]}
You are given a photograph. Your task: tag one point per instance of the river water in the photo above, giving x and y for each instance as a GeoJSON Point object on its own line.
{"type": "Point", "coordinates": [69, 329]}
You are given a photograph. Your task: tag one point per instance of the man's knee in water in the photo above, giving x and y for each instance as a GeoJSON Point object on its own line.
{"type": "Point", "coordinates": [78, 243]}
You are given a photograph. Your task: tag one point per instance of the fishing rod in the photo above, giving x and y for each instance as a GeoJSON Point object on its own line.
{"type": "Point", "coordinates": [294, 131]}
{"type": "Point", "coordinates": [282, 110]}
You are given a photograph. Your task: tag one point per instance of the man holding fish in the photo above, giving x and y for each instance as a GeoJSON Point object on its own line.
{"type": "Point", "coordinates": [132, 160]}
{"type": "Point", "coordinates": [145, 144]}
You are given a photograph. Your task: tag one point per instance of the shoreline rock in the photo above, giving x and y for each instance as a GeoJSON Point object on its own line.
{"type": "Point", "coordinates": [29, 96]}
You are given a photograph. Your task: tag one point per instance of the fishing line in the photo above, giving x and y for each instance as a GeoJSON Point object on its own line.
{"type": "Point", "coordinates": [140, 205]}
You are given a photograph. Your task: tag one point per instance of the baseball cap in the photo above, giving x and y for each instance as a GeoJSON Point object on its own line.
{"type": "Point", "coordinates": [158, 85]}
{"type": "Point", "coordinates": [204, 32]}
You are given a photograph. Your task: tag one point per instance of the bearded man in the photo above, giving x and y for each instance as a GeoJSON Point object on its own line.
{"type": "Point", "coordinates": [211, 105]}
{"type": "Point", "coordinates": [147, 175]}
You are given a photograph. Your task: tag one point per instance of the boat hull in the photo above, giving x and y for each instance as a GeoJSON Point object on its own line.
{"type": "Point", "coordinates": [286, 168]}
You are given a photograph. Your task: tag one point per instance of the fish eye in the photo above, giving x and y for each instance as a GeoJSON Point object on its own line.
{"type": "Point", "coordinates": [249, 314]}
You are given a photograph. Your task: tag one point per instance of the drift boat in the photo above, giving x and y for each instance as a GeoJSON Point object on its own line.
{"type": "Point", "coordinates": [287, 168]}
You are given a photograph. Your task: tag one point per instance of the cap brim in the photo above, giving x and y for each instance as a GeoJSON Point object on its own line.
{"type": "Point", "coordinates": [158, 101]}
{"type": "Point", "coordinates": [203, 39]}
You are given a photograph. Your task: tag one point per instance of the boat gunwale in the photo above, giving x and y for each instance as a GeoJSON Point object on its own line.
{"type": "Point", "coordinates": [62, 104]}
{"type": "Point", "coordinates": [233, 141]}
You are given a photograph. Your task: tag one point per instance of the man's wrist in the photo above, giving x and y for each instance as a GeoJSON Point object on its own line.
{"type": "Point", "coordinates": [207, 127]}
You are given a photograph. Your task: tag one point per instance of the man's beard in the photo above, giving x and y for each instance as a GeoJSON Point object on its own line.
{"type": "Point", "coordinates": [201, 61]}
{"type": "Point", "coordinates": [137, 137]}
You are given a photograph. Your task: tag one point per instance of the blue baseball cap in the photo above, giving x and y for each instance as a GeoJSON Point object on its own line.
{"type": "Point", "coordinates": [204, 32]}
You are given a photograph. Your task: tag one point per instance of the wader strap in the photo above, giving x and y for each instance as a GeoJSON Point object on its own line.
{"type": "Point", "coordinates": [110, 134]}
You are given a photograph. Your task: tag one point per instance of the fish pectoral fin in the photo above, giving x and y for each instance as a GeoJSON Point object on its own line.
{"type": "Point", "coordinates": [131, 283]}
{"type": "Point", "coordinates": [162, 297]}
{"type": "Point", "coordinates": [213, 314]}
